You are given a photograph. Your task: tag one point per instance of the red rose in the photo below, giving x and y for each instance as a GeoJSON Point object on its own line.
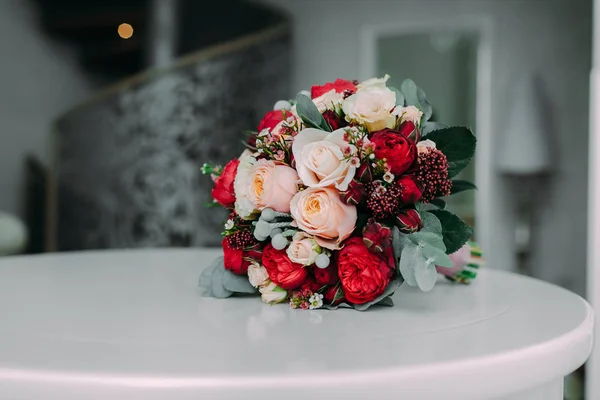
{"type": "Point", "coordinates": [334, 295]}
{"type": "Point", "coordinates": [411, 190]}
{"type": "Point", "coordinates": [339, 85]}
{"type": "Point", "coordinates": [363, 274]}
{"type": "Point", "coordinates": [238, 260]}
{"type": "Point", "coordinates": [327, 276]}
{"type": "Point", "coordinates": [409, 221]}
{"type": "Point", "coordinates": [377, 237]}
{"type": "Point", "coordinates": [281, 270]}
{"type": "Point", "coordinates": [409, 131]}
{"type": "Point", "coordinates": [271, 119]}
{"type": "Point", "coordinates": [223, 191]}
{"type": "Point", "coordinates": [333, 119]}
{"type": "Point", "coordinates": [398, 151]}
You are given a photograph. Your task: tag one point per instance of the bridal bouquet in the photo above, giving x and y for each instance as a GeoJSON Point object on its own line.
{"type": "Point", "coordinates": [339, 200]}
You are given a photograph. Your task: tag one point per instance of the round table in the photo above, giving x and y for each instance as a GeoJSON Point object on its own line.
{"type": "Point", "coordinates": [133, 325]}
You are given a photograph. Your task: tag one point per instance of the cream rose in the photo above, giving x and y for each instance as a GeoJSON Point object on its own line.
{"type": "Point", "coordinates": [257, 274]}
{"type": "Point", "coordinates": [320, 158]}
{"type": "Point", "coordinates": [321, 213]}
{"type": "Point", "coordinates": [272, 294]}
{"type": "Point", "coordinates": [303, 249]}
{"type": "Point", "coordinates": [261, 184]}
{"type": "Point", "coordinates": [329, 101]}
{"type": "Point", "coordinates": [424, 145]}
{"type": "Point", "coordinates": [410, 113]}
{"type": "Point", "coordinates": [372, 107]}
{"type": "Point", "coordinates": [374, 82]}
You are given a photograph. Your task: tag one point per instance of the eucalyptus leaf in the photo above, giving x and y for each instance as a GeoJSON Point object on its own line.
{"type": "Point", "coordinates": [460, 186]}
{"type": "Point", "coordinates": [308, 111]}
{"type": "Point", "coordinates": [237, 283]}
{"type": "Point", "coordinates": [424, 104]}
{"type": "Point", "coordinates": [439, 203]}
{"type": "Point", "coordinates": [388, 302]}
{"type": "Point", "coordinates": [389, 290]}
{"type": "Point", "coordinates": [458, 145]}
{"type": "Point", "coordinates": [211, 280]}
{"type": "Point", "coordinates": [399, 96]}
{"type": "Point", "coordinates": [438, 256]}
{"type": "Point", "coordinates": [410, 258]}
{"type": "Point", "coordinates": [426, 276]}
{"type": "Point", "coordinates": [431, 223]}
{"type": "Point", "coordinates": [428, 238]}
{"type": "Point", "coordinates": [409, 90]}
{"type": "Point", "coordinates": [454, 230]}
{"type": "Point", "coordinates": [398, 241]}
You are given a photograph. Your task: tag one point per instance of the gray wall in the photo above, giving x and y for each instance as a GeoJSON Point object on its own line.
{"type": "Point", "coordinates": [553, 37]}
{"type": "Point", "coordinates": [38, 80]}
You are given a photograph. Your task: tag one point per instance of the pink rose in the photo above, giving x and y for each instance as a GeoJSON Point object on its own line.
{"type": "Point", "coordinates": [320, 212]}
{"type": "Point", "coordinates": [263, 183]}
{"type": "Point", "coordinates": [303, 249]}
{"type": "Point", "coordinates": [323, 158]}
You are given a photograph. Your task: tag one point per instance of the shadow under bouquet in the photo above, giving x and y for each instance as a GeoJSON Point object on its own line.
{"type": "Point", "coordinates": [338, 200]}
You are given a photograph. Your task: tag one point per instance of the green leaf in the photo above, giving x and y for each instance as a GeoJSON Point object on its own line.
{"type": "Point", "coordinates": [438, 256]}
{"type": "Point", "coordinates": [388, 302]}
{"type": "Point", "coordinates": [398, 242]}
{"type": "Point", "coordinates": [458, 145]}
{"type": "Point", "coordinates": [399, 96]}
{"type": "Point", "coordinates": [411, 255]}
{"type": "Point", "coordinates": [389, 290]}
{"type": "Point", "coordinates": [218, 282]}
{"type": "Point", "coordinates": [426, 276]}
{"type": "Point", "coordinates": [409, 90]}
{"type": "Point", "coordinates": [431, 223]}
{"type": "Point", "coordinates": [308, 111]}
{"type": "Point", "coordinates": [424, 104]}
{"type": "Point", "coordinates": [460, 186]}
{"type": "Point", "coordinates": [428, 239]}
{"type": "Point", "coordinates": [439, 203]}
{"type": "Point", "coordinates": [454, 230]}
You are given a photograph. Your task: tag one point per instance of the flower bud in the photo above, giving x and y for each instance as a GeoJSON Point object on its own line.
{"type": "Point", "coordinates": [355, 193]}
{"type": "Point", "coordinates": [364, 173]}
{"type": "Point", "coordinates": [376, 236]}
{"type": "Point", "coordinates": [333, 119]}
{"type": "Point", "coordinates": [272, 294]}
{"type": "Point", "coordinates": [409, 221]}
{"type": "Point", "coordinates": [411, 189]}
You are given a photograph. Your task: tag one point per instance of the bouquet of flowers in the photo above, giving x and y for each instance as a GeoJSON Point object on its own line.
{"type": "Point", "coordinates": [338, 199]}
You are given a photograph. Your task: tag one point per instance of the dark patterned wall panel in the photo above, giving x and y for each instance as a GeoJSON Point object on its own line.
{"type": "Point", "coordinates": [127, 165]}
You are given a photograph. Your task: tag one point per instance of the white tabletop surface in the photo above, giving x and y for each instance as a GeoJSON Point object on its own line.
{"type": "Point", "coordinates": [132, 324]}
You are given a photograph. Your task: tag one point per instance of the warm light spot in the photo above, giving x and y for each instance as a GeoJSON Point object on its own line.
{"type": "Point", "coordinates": [125, 31]}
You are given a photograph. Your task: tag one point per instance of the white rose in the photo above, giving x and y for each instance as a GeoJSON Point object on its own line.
{"type": "Point", "coordinates": [372, 107]}
{"type": "Point", "coordinates": [379, 83]}
{"type": "Point", "coordinates": [320, 158]}
{"type": "Point", "coordinates": [329, 101]}
{"type": "Point", "coordinates": [257, 274]}
{"type": "Point", "coordinates": [424, 146]}
{"type": "Point", "coordinates": [303, 249]}
{"type": "Point", "coordinates": [272, 294]}
{"type": "Point", "coordinates": [410, 113]}
{"type": "Point", "coordinates": [244, 207]}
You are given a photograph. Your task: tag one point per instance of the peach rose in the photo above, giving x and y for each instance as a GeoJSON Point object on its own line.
{"type": "Point", "coordinates": [261, 184]}
{"type": "Point", "coordinates": [303, 249]}
{"type": "Point", "coordinates": [321, 213]}
{"type": "Point", "coordinates": [323, 158]}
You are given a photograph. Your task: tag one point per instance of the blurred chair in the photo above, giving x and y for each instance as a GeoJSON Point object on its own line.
{"type": "Point", "coordinates": [126, 170]}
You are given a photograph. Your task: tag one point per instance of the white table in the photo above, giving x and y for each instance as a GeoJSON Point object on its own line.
{"type": "Point", "coordinates": [131, 325]}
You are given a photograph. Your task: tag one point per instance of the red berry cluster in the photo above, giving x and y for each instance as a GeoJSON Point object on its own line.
{"type": "Point", "coordinates": [383, 201]}
{"type": "Point", "coordinates": [433, 175]}
{"type": "Point", "coordinates": [241, 240]}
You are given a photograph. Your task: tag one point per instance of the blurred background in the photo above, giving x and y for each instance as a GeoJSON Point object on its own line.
{"type": "Point", "coordinates": [108, 109]}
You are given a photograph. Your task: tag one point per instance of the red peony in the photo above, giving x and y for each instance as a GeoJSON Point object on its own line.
{"type": "Point", "coordinates": [281, 270]}
{"type": "Point", "coordinates": [340, 85]}
{"type": "Point", "coordinates": [271, 119]}
{"type": "Point", "coordinates": [327, 276]}
{"type": "Point", "coordinates": [223, 191]}
{"type": "Point", "coordinates": [411, 189]}
{"type": "Point", "coordinates": [398, 151]}
{"type": "Point", "coordinates": [236, 259]}
{"type": "Point", "coordinates": [363, 274]}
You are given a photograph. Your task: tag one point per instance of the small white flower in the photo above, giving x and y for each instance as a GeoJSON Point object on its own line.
{"type": "Point", "coordinates": [388, 177]}
{"type": "Point", "coordinates": [229, 224]}
{"type": "Point", "coordinates": [315, 301]}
